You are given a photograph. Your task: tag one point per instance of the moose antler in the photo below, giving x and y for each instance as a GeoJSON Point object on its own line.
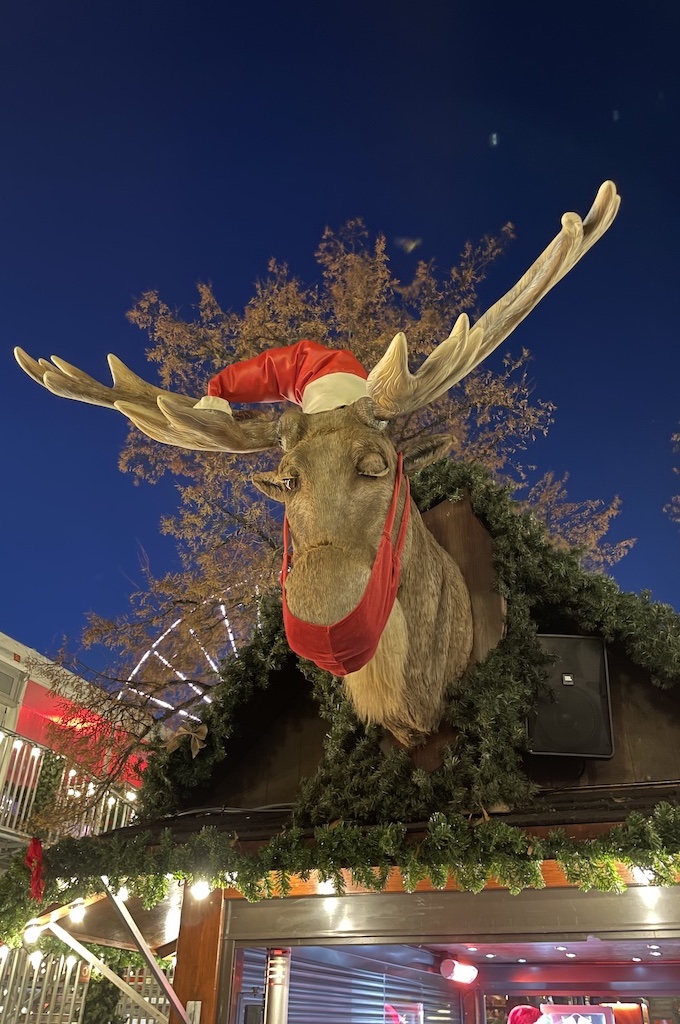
{"type": "Point", "coordinates": [171, 419]}
{"type": "Point", "coordinates": [395, 390]}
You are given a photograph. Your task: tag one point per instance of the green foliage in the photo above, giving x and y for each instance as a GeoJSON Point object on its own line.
{"type": "Point", "coordinates": [101, 1002]}
{"type": "Point", "coordinates": [51, 771]}
{"type": "Point", "coordinates": [357, 812]}
{"type": "Point", "coordinates": [447, 846]}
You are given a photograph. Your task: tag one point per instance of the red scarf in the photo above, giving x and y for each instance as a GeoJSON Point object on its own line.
{"type": "Point", "coordinates": [348, 645]}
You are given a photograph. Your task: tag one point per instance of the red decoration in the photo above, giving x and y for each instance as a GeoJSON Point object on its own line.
{"type": "Point", "coordinates": [524, 1014]}
{"type": "Point", "coordinates": [34, 863]}
{"type": "Point", "coordinates": [282, 373]}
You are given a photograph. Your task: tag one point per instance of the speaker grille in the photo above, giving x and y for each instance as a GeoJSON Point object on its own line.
{"type": "Point", "coordinates": [574, 718]}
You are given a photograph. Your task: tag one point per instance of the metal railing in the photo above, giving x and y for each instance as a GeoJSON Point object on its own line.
{"type": "Point", "coordinates": [38, 988]}
{"type": "Point", "coordinates": [34, 778]}
{"type": "Point", "coordinates": [142, 980]}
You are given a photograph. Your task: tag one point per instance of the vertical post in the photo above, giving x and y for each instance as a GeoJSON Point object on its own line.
{"type": "Point", "coordinates": [277, 986]}
{"type": "Point", "coordinates": [199, 946]}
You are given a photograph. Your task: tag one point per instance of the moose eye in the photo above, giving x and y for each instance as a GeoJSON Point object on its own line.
{"type": "Point", "coordinates": [372, 464]}
{"type": "Point", "coordinates": [290, 482]}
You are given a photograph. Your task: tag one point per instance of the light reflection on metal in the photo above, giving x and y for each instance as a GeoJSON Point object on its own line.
{"type": "Point", "coordinates": [277, 986]}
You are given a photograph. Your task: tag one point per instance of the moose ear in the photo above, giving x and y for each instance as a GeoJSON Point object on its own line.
{"type": "Point", "coordinates": [270, 485]}
{"type": "Point", "coordinates": [421, 451]}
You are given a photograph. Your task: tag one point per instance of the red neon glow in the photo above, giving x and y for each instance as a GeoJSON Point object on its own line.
{"type": "Point", "coordinates": [41, 710]}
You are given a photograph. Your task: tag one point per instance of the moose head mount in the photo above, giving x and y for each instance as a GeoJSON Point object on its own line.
{"type": "Point", "coordinates": [371, 595]}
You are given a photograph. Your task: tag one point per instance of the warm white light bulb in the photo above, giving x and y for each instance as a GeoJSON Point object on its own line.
{"type": "Point", "coordinates": [35, 959]}
{"type": "Point", "coordinates": [199, 890]}
{"type": "Point", "coordinates": [32, 933]}
{"type": "Point", "coordinates": [77, 913]}
{"type": "Point", "coordinates": [123, 894]}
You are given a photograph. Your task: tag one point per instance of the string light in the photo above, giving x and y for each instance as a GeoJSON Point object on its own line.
{"type": "Point", "coordinates": [77, 912]}
{"type": "Point", "coordinates": [32, 932]}
{"type": "Point", "coordinates": [200, 890]}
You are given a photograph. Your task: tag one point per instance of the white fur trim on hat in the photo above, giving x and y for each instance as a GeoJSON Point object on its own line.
{"type": "Point", "coordinates": [333, 390]}
{"type": "Point", "coordinates": [215, 403]}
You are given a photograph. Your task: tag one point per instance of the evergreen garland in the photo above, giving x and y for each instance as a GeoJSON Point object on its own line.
{"type": "Point", "coordinates": [447, 846]}
{"type": "Point", "coordinates": [350, 814]}
{"type": "Point", "coordinates": [101, 1002]}
{"type": "Point", "coordinates": [356, 781]}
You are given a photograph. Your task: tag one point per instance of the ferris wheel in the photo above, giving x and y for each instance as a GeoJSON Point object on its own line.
{"type": "Point", "coordinates": [182, 654]}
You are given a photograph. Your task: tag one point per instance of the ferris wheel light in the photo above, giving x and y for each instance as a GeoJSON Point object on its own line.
{"type": "Point", "coordinates": [155, 651]}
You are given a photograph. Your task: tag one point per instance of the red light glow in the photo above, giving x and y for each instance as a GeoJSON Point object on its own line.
{"type": "Point", "coordinates": [454, 970]}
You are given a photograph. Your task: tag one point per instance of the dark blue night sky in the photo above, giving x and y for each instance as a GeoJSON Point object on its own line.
{"type": "Point", "coordinates": [154, 145]}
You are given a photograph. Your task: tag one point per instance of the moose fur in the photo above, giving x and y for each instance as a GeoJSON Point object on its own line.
{"type": "Point", "coordinates": [336, 479]}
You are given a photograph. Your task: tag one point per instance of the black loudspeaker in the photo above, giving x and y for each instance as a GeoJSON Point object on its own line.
{"type": "Point", "coordinates": [574, 719]}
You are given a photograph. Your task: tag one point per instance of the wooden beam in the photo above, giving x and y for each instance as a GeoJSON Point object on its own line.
{"type": "Point", "coordinates": [199, 947]}
{"type": "Point", "coordinates": [142, 946]}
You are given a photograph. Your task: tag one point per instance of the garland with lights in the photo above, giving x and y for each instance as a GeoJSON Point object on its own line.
{"type": "Point", "coordinates": [446, 847]}
{"type": "Point", "coordinates": [367, 795]}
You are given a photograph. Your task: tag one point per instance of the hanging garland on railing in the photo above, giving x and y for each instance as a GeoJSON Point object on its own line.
{"type": "Point", "coordinates": [364, 792]}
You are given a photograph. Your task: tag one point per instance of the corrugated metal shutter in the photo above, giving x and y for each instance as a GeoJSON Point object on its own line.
{"type": "Point", "coordinates": [324, 993]}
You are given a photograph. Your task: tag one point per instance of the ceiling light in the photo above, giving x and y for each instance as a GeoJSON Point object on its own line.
{"type": "Point", "coordinates": [471, 949]}
{"type": "Point", "coordinates": [571, 954]}
{"type": "Point", "coordinates": [454, 970]}
{"type": "Point", "coordinates": [521, 960]}
{"type": "Point", "coordinates": [652, 945]}
{"type": "Point", "coordinates": [637, 959]}
{"type": "Point", "coordinates": [489, 956]}
{"type": "Point", "coordinates": [655, 952]}
{"type": "Point", "coordinates": [560, 949]}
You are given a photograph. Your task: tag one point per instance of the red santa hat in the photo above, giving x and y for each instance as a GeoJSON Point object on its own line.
{"type": "Point", "coordinates": [524, 1014]}
{"type": "Point", "coordinates": [307, 373]}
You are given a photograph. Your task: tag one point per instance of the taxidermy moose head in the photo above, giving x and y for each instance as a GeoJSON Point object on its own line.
{"type": "Point", "coordinates": [371, 596]}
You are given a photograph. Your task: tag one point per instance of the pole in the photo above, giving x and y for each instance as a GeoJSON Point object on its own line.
{"type": "Point", "coordinates": [277, 986]}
